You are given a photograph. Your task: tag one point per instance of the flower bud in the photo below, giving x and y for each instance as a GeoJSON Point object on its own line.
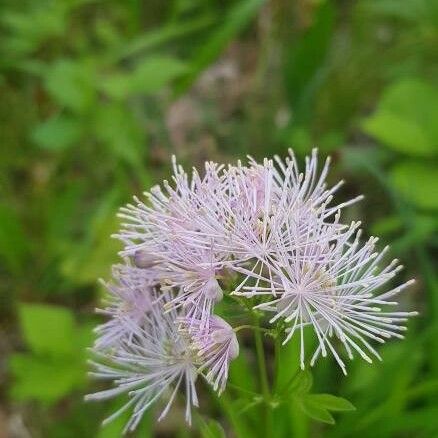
{"type": "Point", "coordinates": [212, 290]}
{"type": "Point", "coordinates": [144, 260]}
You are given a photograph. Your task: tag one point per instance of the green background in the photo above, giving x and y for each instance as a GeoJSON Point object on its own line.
{"type": "Point", "coordinates": [96, 96]}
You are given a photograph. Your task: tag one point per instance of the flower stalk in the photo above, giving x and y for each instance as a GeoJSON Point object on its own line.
{"type": "Point", "coordinates": [264, 381]}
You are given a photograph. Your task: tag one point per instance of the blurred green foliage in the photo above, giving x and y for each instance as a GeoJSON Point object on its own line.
{"type": "Point", "coordinates": [55, 344]}
{"type": "Point", "coordinates": [96, 96]}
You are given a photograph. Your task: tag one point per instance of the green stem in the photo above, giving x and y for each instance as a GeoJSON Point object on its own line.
{"type": "Point", "coordinates": [253, 327]}
{"type": "Point", "coordinates": [277, 345]}
{"type": "Point", "coordinates": [238, 424]}
{"type": "Point", "coordinates": [264, 383]}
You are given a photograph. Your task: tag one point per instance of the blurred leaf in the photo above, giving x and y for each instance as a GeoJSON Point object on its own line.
{"type": "Point", "coordinates": [120, 133]}
{"type": "Point", "coordinates": [87, 265]}
{"type": "Point", "coordinates": [288, 353]}
{"type": "Point", "coordinates": [420, 421]}
{"type": "Point", "coordinates": [240, 373]}
{"type": "Point", "coordinates": [419, 233]}
{"type": "Point", "coordinates": [299, 421]}
{"type": "Point", "coordinates": [387, 225]}
{"type": "Point", "coordinates": [239, 423]}
{"type": "Point", "coordinates": [246, 403]}
{"type": "Point", "coordinates": [163, 35]}
{"type": "Point", "coordinates": [93, 256]}
{"type": "Point", "coordinates": [292, 378]}
{"type": "Point", "coordinates": [71, 83]}
{"type": "Point", "coordinates": [419, 11]}
{"type": "Point", "coordinates": [316, 411]}
{"type": "Point", "coordinates": [148, 76]}
{"type": "Point", "coordinates": [57, 133]}
{"type": "Point", "coordinates": [43, 379]}
{"type": "Point", "coordinates": [47, 329]}
{"type": "Point", "coordinates": [292, 383]}
{"type": "Point", "coordinates": [61, 218]}
{"type": "Point", "coordinates": [304, 61]}
{"type": "Point", "coordinates": [301, 138]}
{"type": "Point", "coordinates": [425, 388]}
{"type": "Point", "coordinates": [417, 182]}
{"type": "Point", "coordinates": [330, 402]}
{"type": "Point", "coordinates": [406, 118]}
{"type": "Point", "coordinates": [114, 429]}
{"type": "Point", "coordinates": [29, 29]}
{"type": "Point", "coordinates": [299, 385]}
{"type": "Point", "coordinates": [13, 241]}
{"type": "Point", "coordinates": [235, 20]}
{"type": "Point", "coordinates": [360, 159]}
{"type": "Point", "coordinates": [401, 363]}
{"type": "Point", "coordinates": [212, 429]}
{"type": "Point", "coordinates": [83, 338]}
{"type": "Point", "coordinates": [332, 141]}
{"type": "Point", "coordinates": [56, 365]}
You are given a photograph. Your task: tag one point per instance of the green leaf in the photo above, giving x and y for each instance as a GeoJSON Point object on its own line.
{"type": "Point", "coordinates": [415, 422]}
{"type": "Point", "coordinates": [292, 378]}
{"type": "Point", "coordinates": [237, 18]}
{"type": "Point", "coordinates": [241, 375]}
{"type": "Point", "coordinates": [417, 182]}
{"type": "Point", "coordinates": [162, 35]}
{"type": "Point", "coordinates": [114, 429]}
{"type": "Point", "coordinates": [330, 402]}
{"type": "Point", "coordinates": [71, 84]}
{"type": "Point", "coordinates": [298, 420]}
{"type": "Point", "coordinates": [299, 384]}
{"type": "Point", "coordinates": [93, 256]}
{"type": "Point", "coordinates": [47, 330]}
{"type": "Point", "coordinates": [57, 133]}
{"type": "Point", "coordinates": [42, 379]}
{"type": "Point", "coordinates": [406, 118]}
{"type": "Point", "coordinates": [13, 241]}
{"type": "Point", "coordinates": [84, 337]}
{"type": "Point", "coordinates": [212, 429]}
{"type": "Point", "coordinates": [230, 408]}
{"type": "Point", "coordinates": [387, 225]}
{"type": "Point", "coordinates": [61, 218]}
{"type": "Point", "coordinates": [57, 363]}
{"type": "Point", "coordinates": [119, 133]}
{"type": "Point", "coordinates": [315, 411]}
{"type": "Point", "coordinates": [305, 61]}
{"type": "Point", "coordinates": [420, 232]}
{"type": "Point", "coordinates": [148, 76]}
{"type": "Point", "coordinates": [288, 353]}
{"type": "Point", "coordinates": [33, 26]}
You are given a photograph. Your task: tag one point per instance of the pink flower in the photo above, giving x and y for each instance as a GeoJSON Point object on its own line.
{"type": "Point", "coordinates": [179, 235]}
{"type": "Point", "coordinates": [189, 211]}
{"type": "Point", "coordinates": [336, 289]}
{"type": "Point", "coordinates": [276, 207]}
{"type": "Point", "coordinates": [127, 305]}
{"type": "Point", "coordinates": [217, 347]}
{"type": "Point", "coordinates": [275, 230]}
{"type": "Point", "coordinates": [191, 277]}
{"type": "Point", "coordinates": [156, 363]}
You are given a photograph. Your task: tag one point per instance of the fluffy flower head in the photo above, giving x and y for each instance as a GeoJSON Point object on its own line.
{"type": "Point", "coordinates": [266, 235]}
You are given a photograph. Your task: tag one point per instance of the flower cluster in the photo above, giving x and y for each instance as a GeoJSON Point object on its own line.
{"type": "Point", "coordinates": [274, 230]}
